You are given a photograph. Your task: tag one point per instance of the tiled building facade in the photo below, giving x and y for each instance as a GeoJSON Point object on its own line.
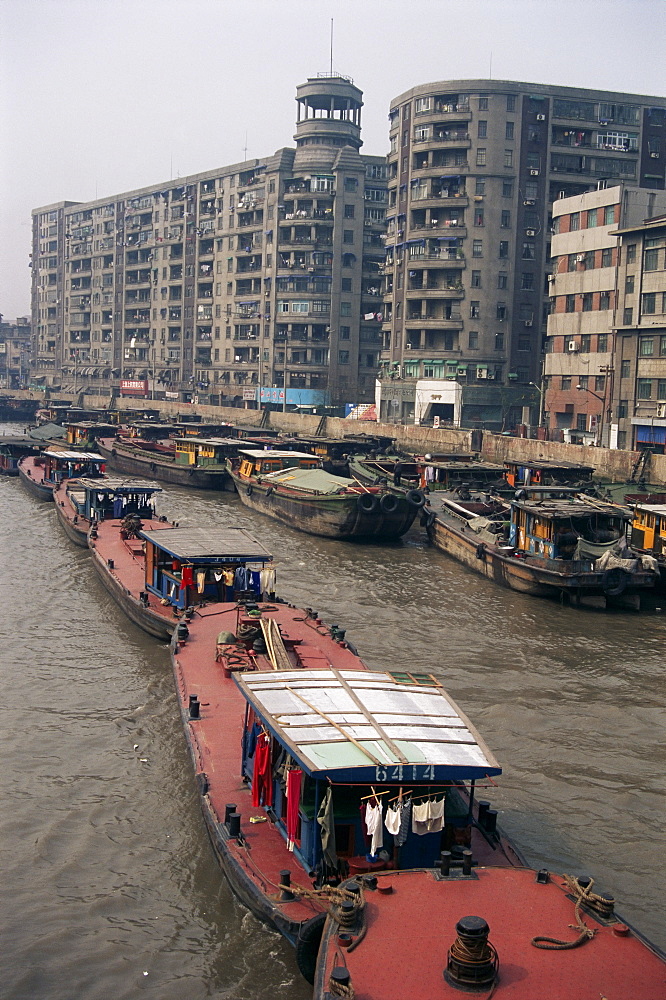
{"type": "Point", "coordinates": [578, 365]}
{"type": "Point", "coordinates": [639, 397]}
{"type": "Point", "coordinates": [257, 281]}
{"type": "Point", "coordinates": [14, 353]}
{"type": "Point", "coordinates": [474, 169]}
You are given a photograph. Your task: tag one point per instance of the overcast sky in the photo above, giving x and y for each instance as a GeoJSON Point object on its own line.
{"type": "Point", "coordinates": [102, 96]}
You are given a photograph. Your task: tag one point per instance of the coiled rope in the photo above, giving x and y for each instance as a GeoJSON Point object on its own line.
{"type": "Point", "coordinates": [582, 895]}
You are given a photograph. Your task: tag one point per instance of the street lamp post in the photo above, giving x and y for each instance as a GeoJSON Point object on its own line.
{"type": "Point", "coordinates": [600, 433]}
{"type": "Point", "coordinates": [541, 391]}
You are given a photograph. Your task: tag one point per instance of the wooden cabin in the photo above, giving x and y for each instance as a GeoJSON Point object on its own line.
{"type": "Point", "coordinates": [255, 463]}
{"type": "Point", "coordinates": [202, 452]}
{"type": "Point", "coordinates": [648, 526]}
{"type": "Point", "coordinates": [544, 473]}
{"type": "Point", "coordinates": [565, 529]}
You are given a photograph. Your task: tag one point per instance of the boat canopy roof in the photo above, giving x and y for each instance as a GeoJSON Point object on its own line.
{"type": "Point", "coordinates": [563, 510]}
{"type": "Point", "coordinates": [116, 486]}
{"type": "Point", "coordinates": [312, 480]}
{"type": "Point", "coordinates": [208, 544]}
{"type": "Point", "coordinates": [547, 465]}
{"type": "Point", "coordinates": [652, 508]}
{"type": "Point", "coordinates": [367, 726]}
{"type": "Point", "coordinates": [274, 453]}
{"type": "Point", "coordinates": [75, 456]}
{"type": "Point", "coordinates": [47, 431]}
{"type": "Point", "coordinates": [217, 441]}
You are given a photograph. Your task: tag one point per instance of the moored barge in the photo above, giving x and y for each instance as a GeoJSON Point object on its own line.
{"type": "Point", "coordinates": [82, 503]}
{"type": "Point", "coordinates": [40, 473]}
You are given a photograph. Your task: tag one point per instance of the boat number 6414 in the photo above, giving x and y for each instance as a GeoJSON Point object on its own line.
{"type": "Point", "coordinates": [409, 772]}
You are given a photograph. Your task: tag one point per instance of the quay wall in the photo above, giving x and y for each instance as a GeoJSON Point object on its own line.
{"type": "Point", "coordinates": [612, 464]}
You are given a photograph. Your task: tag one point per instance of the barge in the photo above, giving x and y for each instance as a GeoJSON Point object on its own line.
{"type": "Point", "coordinates": [41, 473]}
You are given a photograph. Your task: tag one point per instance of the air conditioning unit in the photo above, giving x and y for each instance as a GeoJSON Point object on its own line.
{"type": "Point", "coordinates": [478, 197]}
{"type": "Point", "coordinates": [561, 194]}
{"type": "Point", "coordinates": [482, 373]}
{"type": "Point", "coordinates": [528, 322]}
{"type": "Point", "coordinates": [655, 156]}
{"type": "Point", "coordinates": [529, 201]}
{"type": "Point", "coordinates": [573, 346]}
{"type": "Point", "coordinates": [530, 232]}
{"type": "Point", "coordinates": [541, 118]}
{"type": "Point", "coordinates": [534, 172]}
{"type": "Point", "coordinates": [551, 277]}
{"type": "Point", "coordinates": [490, 375]}
{"type": "Point", "coordinates": [580, 258]}
{"type": "Point", "coordinates": [661, 410]}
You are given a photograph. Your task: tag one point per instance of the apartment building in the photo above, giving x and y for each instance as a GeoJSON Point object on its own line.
{"type": "Point", "coordinates": [14, 352]}
{"type": "Point", "coordinates": [474, 169]}
{"type": "Point", "coordinates": [639, 396]}
{"type": "Point", "coordinates": [578, 364]}
{"type": "Point", "coordinates": [254, 282]}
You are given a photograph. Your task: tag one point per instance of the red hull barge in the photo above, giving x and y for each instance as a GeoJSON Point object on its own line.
{"type": "Point", "coordinates": [511, 920]}
{"type": "Point", "coordinates": [310, 698]}
{"type": "Point", "coordinates": [84, 503]}
{"type": "Point", "coordinates": [41, 473]}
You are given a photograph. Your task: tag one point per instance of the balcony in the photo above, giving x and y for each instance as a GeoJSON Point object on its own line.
{"type": "Point", "coordinates": [446, 292]}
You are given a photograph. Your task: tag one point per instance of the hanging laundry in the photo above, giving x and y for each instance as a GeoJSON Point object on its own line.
{"type": "Point", "coordinates": [392, 820]}
{"type": "Point", "coordinates": [435, 815]}
{"type": "Point", "coordinates": [201, 581]}
{"type": "Point", "coordinates": [268, 580]}
{"type": "Point", "coordinates": [373, 822]}
{"type": "Point", "coordinates": [294, 782]}
{"type": "Point", "coordinates": [429, 474]}
{"type": "Point", "coordinates": [255, 582]}
{"type": "Point", "coordinates": [187, 579]}
{"type": "Point", "coordinates": [420, 819]}
{"type": "Point", "coordinates": [241, 578]}
{"type": "Point", "coordinates": [326, 821]}
{"type": "Point", "coordinates": [228, 577]}
{"type": "Point", "coordinates": [218, 576]}
{"type": "Point", "coordinates": [262, 782]}
{"type": "Point", "coordinates": [405, 819]}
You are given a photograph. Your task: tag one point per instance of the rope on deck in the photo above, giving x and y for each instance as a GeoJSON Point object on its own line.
{"type": "Point", "coordinates": [582, 895]}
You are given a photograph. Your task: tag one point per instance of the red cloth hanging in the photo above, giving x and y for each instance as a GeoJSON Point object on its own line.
{"type": "Point", "coordinates": [294, 781]}
{"type": "Point", "coordinates": [187, 579]}
{"type": "Point", "coordinates": [262, 780]}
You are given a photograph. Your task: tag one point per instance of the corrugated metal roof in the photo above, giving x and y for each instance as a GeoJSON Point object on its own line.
{"type": "Point", "coordinates": [208, 543]}
{"type": "Point", "coordinates": [259, 453]}
{"type": "Point", "coordinates": [76, 456]}
{"type": "Point", "coordinates": [333, 721]}
{"type": "Point", "coordinates": [312, 480]}
{"type": "Point", "coordinates": [108, 485]}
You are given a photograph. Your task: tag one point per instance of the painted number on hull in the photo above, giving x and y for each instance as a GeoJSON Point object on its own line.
{"type": "Point", "coordinates": [409, 772]}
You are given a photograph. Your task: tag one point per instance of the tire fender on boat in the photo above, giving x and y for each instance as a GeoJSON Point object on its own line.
{"type": "Point", "coordinates": [367, 503]}
{"type": "Point", "coordinates": [614, 582]}
{"type": "Point", "coordinates": [114, 452]}
{"type": "Point", "coordinates": [307, 945]}
{"type": "Point", "coordinates": [388, 503]}
{"type": "Point", "coordinates": [415, 498]}
{"type": "Point", "coordinates": [249, 490]}
{"type": "Point", "coordinates": [480, 551]}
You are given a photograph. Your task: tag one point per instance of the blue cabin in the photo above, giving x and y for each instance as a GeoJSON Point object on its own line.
{"type": "Point", "coordinates": [394, 741]}
{"type": "Point", "coordinates": [103, 499]}
{"type": "Point", "coordinates": [187, 566]}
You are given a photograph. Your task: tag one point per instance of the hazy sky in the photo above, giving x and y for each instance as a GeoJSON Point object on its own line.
{"type": "Point", "coordinates": [102, 96]}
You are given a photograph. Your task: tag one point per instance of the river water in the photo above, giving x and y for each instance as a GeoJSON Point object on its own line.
{"type": "Point", "coordinates": [110, 888]}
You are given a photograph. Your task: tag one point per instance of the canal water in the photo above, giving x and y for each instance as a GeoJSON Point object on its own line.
{"type": "Point", "coordinates": [110, 888]}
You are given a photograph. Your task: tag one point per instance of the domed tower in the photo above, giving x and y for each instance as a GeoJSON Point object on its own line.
{"type": "Point", "coordinates": [329, 112]}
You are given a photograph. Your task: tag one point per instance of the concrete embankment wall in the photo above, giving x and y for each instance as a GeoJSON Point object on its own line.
{"type": "Point", "coordinates": [608, 463]}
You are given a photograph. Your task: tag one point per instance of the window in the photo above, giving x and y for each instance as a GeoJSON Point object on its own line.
{"type": "Point", "coordinates": [662, 345]}
{"type": "Point", "coordinates": [474, 310]}
{"type": "Point", "coordinates": [604, 300]}
{"type": "Point", "coordinates": [345, 308]}
{"type": "Point", "coordinates": [478, 216]}
{"type": "Point", "coordinates": [528, 251]}
{"type": "Point", "coordinates": [644, 388]}
{"type": "Point", "coordinates": [527, 280]}
{"type": "Point", "coordinates": [599, 383]}
{"type": "Point", "coordinates": [345, 333]}
{"type": "Point", "coordinates": [501, 311]}
{"type": "Point", "coordinates": [499, 341]}
{"type": "Point", "coordinates": [585, 343]}
{"type": "Point", "coordinates": [574, 222]}
{"type": "Point", "coordinates": [649, 303]}
{"type": "Point", "coordinates": [524, 344]}
{"type": "Point", "coordinates": [343, 357]}
{"type": "Point", "coordinates": [473, 341]}
{"type": "Point", "coordinates": [570, 304]}
{"type": "Point", "coordinates": [504, 249]}
{"type": "Point", "coordinates": [422, 104]}
{"type": "Point", "coordinates": [581, 421]}
{"type": "Point", "coordinates": [651, 260]}
{"type": "Point", "coordinates": [476, 279]}
{"type": "Point", "coordinates": [587, 302]}
{"type": "Point", "coordinates": [507, 189]}
{"type": "Point", "coordinates": [609, 215]}
{"type": "Point", "coordinates": [629, 284]}
{"type": "Point", "coordinates": [349, 211]}
{"type": "Point", "coordinates": [571, 262]}
{"type": "Point", "coordinates": [602, 343]}
{"type": "Point", "coordinates": [646, 347]}
{"type": "Point", "coordinates": [625, 369]}
{"type": "Point", "coordinates": [477, 248]}
{"type": "Point", "coordinates": [348, 236]}
{"type": "Point", "coordinates": [627, 317]}
{"type": "Point", "coordinates": [482, 129]}
{"type": "Point", "coordinates": [591, 218]}
{"type": "Point", "coordinates": [583, 381]}
{"type": "Point", "coordinates": [422, 133]}
{"type": "Point", "coordinates": [631, 253]}
{"type": "Point", "coordinates": [481, 157]}
{"type": "Point", "coordinates": [511, 102]}
{"type": "Point", "coordinates": [623, 408]}
{"type": "Point", "coordinates": [480, 187]}
{"type": "Point", "coordinates": [566, 382]}
{"type": "Point", "coordinates": [502, 279]}
{"type": "Point", "coordinates": [606, 257]}
{"type": "Point", "coordinates": [508, 157]}
{"type": "Point", "coordinates": [483, 103]}
{"type": "Point", "coordinates": [661, 388]}
{"type": "Point", "coordinates": [346, 284]}
{"type": "Point", "coordinates": [509, 130]}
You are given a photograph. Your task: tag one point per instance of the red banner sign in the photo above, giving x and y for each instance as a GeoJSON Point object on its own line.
{"type": "Point", "coordinates": [133, 387]}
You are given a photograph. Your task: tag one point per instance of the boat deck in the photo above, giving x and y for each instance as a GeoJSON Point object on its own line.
{"type": "Point", "coordinates": [412, 924]}
{"type": "Point", "coordinates": [128, 560]}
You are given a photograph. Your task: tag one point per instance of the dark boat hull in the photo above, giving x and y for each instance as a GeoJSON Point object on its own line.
{"type": "Point", "coordinates": [152, 467]}
{"type": "Point", "coordinates": [330, 516]}
{"type": "Point", "coordinates": [43, 491]}
{"type": "Point", "coordinates": [526, 575]}
{"type": "Point", "coordinates": [77, 533]}
{"type": "Point", "coordinates": [146, 619]}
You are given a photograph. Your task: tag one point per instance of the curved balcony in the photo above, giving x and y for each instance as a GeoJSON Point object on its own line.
{"type": "Point", "coordinates": [457, 292]}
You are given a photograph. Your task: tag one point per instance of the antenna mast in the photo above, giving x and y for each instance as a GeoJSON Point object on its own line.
{"type": "Point", "coordinates": [331, 46]}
